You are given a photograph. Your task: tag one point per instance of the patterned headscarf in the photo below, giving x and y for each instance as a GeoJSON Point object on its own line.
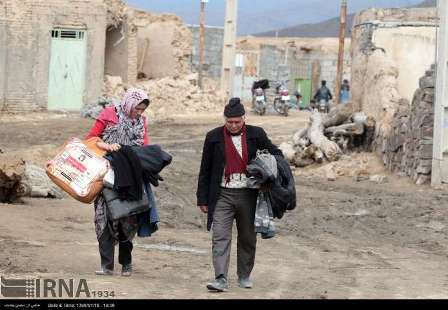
{"type": "Point", "coordinates": [132, 98]}
{"type": "Point", "coordinates": [128, 131]}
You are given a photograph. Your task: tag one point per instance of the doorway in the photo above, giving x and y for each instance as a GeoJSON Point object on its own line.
{"type": "Point", "coordinates": [67, 70]}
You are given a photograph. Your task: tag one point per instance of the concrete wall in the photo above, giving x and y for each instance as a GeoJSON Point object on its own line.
{"type": "Point", "coordinates": [328, 67]}
{"type": "Point", "coordinates": [301, 54]}
{"type": "Point", "coordinates": [214, 38]}
{"type": "Point", "coordinates": [28, 36]}
{"type": "Point", "coordinates": [272, 63]}
{"type": "Point", "coordinates": [246, 75]}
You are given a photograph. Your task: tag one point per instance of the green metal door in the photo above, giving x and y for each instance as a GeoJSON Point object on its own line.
{"type": "Point", "coordinates": [67, 70]}
{"type": "Point", "coordinates": [304, 88]}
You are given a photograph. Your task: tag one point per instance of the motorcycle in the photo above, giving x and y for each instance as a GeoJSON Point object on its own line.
{"type": "Point", "coordinates": [260, 101]}
{"type": "Point", "coordinates": [282, 99]}
{"type": "Point", "coordinates": [323, 106]}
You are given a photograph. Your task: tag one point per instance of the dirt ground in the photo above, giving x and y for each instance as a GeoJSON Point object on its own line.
{"type": "Point", "coordinates": [346, 239]}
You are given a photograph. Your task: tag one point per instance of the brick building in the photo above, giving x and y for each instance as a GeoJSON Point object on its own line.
{"type": "Point", "coordinates": [54, 53]}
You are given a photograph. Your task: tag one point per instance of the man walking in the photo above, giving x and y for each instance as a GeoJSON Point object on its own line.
{"type": "Point", "coordinates": [223, 194]}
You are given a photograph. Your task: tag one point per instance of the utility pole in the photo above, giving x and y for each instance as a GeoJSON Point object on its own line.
{"type": "Point", "coordinates": [229, 48]}
{"type": "Point", "coordinates": [341, 50]}
{"type": "Point", "coordinates": [439, 172]}
{"type": "Point", "coordinates": [201, 42]}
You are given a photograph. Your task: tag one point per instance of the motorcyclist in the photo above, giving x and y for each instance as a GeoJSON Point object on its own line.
{"type": "Point", "coordinates": [323, 93]}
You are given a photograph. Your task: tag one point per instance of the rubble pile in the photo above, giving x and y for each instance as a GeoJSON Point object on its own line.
{"type": "Point", "coordinates": [171, 96]}
{"type": "Point", "coordinates": [328, 136]}
{"type": "Point", "coordinates": [359, 166]}
{"type": "Point", "coordinates": [113, 89]}
{"type": "Point", "coordinates": [168, 96]}
{"type": "Point", "coordinates": [408, 149]}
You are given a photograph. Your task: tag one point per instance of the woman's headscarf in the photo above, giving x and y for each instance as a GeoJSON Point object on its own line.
{"type": "Point", "coordinates": [128, 131]}
{"type": "Point", "coordinates": [132, 98]}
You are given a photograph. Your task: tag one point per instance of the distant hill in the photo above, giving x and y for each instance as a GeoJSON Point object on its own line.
{"type": "Point", "coordinates": [426, 4]}
{"type": "Point", "coordinates": [328, 28]}
{"type": "Point", "coordinates": [261, 16]}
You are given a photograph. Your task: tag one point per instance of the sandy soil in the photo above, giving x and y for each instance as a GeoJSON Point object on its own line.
{"type": "Point", "coordinates": [346, 239]}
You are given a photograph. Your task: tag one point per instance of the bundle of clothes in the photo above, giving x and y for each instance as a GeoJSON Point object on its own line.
{"type": "Point", "coordinates": [128, 184]}
{"type": "Point", "coordinates": [273, 177]}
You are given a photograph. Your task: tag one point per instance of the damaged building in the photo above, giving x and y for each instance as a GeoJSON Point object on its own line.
{"type": "Point", "coordinates": [302, 62]}
{"type": "Point", "coordinates": [393, 81]}
{"type": "Point", "coordinates": [164, 45]}
{"type": "Point", "coordinates": [55, 54]}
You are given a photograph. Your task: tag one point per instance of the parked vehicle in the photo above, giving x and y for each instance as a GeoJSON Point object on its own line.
{"type": "Point", "coordinates": [282, 99]}
{"type": "Point", "coordinates": [259, 102]}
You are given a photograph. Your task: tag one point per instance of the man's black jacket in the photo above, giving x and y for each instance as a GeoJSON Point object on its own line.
{"type": "Point", "coordinates": [213, 162]}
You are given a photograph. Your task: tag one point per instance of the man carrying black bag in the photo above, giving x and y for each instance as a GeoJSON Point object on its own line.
{"type": "Point", "coordinates": [224, 195]}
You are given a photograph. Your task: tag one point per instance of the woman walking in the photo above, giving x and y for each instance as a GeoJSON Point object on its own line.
{"type": "Point", "coordinates": [121, 125]}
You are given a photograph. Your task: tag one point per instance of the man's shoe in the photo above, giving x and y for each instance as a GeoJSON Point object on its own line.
{"type": "Point", "coordinates": [218, 285]}
{"type": "Point", "coordinates": [126, 270]}
{"type": "Point", "coordinates": [245, 282]}
{"type": "Point", "coordinates": [104, 272]}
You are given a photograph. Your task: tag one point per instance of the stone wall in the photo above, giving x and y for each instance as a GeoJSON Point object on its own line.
{"type": "Point", "coordinates": [408, 150]}
{"type": "Point", "coordinates": [391, 50]}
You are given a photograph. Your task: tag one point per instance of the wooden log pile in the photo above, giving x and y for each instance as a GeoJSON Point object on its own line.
{"type": "Point", "coordinates": [328, 136]}
{"type": "Point", "coordinates": [408, 149]}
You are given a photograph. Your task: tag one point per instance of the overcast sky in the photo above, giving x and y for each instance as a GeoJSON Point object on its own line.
{"type": "Point", "coordinates": [263, 15]}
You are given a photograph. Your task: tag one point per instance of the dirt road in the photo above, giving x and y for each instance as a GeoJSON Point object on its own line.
{"type": "Point", "coordinates": [346, 239]}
